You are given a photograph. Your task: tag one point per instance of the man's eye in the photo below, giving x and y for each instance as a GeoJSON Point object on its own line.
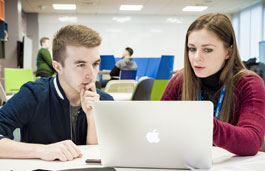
{"type": "Point", "coordinates": [96, 64]}
{"type": "Point", "coordinates": [80, 65]}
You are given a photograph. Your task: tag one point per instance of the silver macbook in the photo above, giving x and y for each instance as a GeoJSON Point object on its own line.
{"type": "Point", "coordinates": [155, 134]}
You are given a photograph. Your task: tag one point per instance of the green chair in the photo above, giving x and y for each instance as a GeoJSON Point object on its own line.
{"type": "Point", "coordinates": [15, 78]}
{"type": "Point", "coordinates": [158, 89]}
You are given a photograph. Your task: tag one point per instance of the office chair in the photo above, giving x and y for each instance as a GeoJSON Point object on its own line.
{"type": "Point", "coordinates": [143, 89]}
{"type": "Point", "coordinates": [120, 86]}
{"type": "Point", "coordinates": [128, 74]}
{"type": "Point", "coordinates": [15, 78]}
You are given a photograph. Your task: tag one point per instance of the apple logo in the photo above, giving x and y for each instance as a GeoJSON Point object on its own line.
{"type": "Point", "coordinates": [153, 137]}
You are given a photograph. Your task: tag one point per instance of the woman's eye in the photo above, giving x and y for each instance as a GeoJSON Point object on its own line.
{"type": "Point", "coordinates": [192, 49]}
{"type": "Point", "coordinates": [208, 50]}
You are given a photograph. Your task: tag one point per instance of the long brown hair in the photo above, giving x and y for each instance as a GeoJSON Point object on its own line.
{"type": "Point", "coordinates": [233, 70]}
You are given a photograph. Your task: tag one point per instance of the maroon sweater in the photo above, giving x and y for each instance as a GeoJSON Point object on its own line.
{"type": "Point", "coordinates": [246, 135]}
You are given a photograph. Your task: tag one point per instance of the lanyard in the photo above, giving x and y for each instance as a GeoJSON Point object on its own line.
{"type": "Point", "coordinates": [219, 104]}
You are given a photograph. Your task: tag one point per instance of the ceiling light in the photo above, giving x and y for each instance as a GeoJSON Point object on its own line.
{"type": "Point", "coordinates": [174, 20]}
{"type": "Point", "coordinates": [64, 6]}
{"type": "Point", "coordinates": [194, 8]}
{"type": "Point", "coordinates": [121, 19]}
{"type": "Point", "coordinates": [68, 19]}
{"type": "Point", "coordinates": [131, 7]}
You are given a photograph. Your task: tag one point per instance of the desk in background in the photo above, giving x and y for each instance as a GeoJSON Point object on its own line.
{"type": "Point", "coordinates": [222, 160]}
{"type": "Point", "coordinates": [121, 96]}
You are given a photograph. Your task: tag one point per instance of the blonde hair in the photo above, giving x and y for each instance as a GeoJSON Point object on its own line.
{"type": "Point", "coordinates": [233, 70]}
{"type": "Point", "coordinates": [73, 35]}
{"type": "Point", "coordinates": [43, 39]}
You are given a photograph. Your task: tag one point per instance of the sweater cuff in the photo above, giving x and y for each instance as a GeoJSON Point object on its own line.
{"type": "Point", "coordinates": [1, 137]}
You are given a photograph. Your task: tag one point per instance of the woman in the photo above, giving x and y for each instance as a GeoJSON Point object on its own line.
{"type": "Point", "coordinates": [213, 71]}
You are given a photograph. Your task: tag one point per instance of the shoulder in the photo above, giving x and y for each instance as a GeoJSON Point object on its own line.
{"type": "Point", "coordinates": [250, 81]}
{"type": "Point", "coordinates": [103, 95]}
{"type": "Point", "coordinates": [38, 88]}
{"type": "Point", "coordinates": [250, 85]}
{"type": "Point", "coordinates": [174, 87]}
{"type": "Point", "coordinates": [120, 62]}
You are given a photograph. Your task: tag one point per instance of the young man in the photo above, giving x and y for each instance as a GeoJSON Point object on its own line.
{"type": "Point", "coordinates": [126, 63]}
{"type": "Point", "coordinates": [54, 114]}
{"type": "Point", "coordinates": [44, 59]}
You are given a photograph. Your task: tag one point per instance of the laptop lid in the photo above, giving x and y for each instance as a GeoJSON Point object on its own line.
{"type": "Point", "coordinates": [155, 134]}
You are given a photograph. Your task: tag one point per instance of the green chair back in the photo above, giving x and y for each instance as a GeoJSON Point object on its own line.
{"type": "Point", "coordinates": [15, 78]}
{"type": "Point", "coordinates": [158, 89]}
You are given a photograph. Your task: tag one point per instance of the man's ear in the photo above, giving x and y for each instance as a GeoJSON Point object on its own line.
{"type": "Point", "coordinates": [229, 52]}
{"type": "Point", "coordinates": [57, 66]}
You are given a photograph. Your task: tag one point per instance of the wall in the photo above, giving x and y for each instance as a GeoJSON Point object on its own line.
{"type": "Point", "coordinates": [13, 11]}
{"type": "Point", "coordinates": [33, 34]}
{"type": "Point", "coordinates": [149, 36]}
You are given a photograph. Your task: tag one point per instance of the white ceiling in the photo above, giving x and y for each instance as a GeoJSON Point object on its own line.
{"type": "Point", "coordinates": [150, 7]}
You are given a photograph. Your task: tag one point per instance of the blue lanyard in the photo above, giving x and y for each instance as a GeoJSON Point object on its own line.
{"type": "Point", "coordinates": [219, 104]}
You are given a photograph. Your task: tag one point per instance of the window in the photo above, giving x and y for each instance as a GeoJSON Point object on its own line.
{"type": "Point", "coordinates": [249, 29]}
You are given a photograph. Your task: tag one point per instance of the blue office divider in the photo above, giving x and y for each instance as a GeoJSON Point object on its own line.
{"type": "Point", "coordinates": [152, 67]}
{"type": "Point", "coordinates": [165, 67]}
{"type": "Point", "coordinates": [149, 66]}
{"type": "Point", "coordinates": [141, 66]}
{"type": "Point", "coordinates": [107, 62]}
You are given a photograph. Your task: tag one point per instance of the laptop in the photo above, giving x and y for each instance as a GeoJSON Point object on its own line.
{"type": "Point", "coordinates": [155, 134]}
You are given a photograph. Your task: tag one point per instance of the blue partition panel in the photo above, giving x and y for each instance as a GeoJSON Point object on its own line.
{"type": "Point", "coordinates": [107, 62]}
{"type": "Point", "coordinates": [165, 67]}
{"type": "Point", "coordinates": [153, 67]}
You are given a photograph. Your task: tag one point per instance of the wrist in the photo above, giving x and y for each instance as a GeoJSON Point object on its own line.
{"type": "Point", "coordinates": [37, 150]}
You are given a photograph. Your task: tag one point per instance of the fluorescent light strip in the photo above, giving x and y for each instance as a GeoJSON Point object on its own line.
{"type": "Point", "coordinates": [64, 6]}
{"type": "Point", "coordinates": [121, 19]}
{"type": "Point", "coordinates": [194, 8]}
{"type": "Point", "coordinates": [131, 7]}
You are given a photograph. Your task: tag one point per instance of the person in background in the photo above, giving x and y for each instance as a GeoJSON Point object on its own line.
{"type": "Point", "coordinates": [55, 114]}
{"type": "Point", "coordinates": [126, 63]}
{"type": "Point", "coordinates": [44, 59]}
{"type": "Point", "coordinates": [213, 71]}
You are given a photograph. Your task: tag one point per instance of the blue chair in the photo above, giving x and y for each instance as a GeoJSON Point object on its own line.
{"type": "Point", "coordinates": [165, 67]}
{"type": "Point", "coordinates": [107, 62]}
{"type": "Point", "coordinates": [128, 74]}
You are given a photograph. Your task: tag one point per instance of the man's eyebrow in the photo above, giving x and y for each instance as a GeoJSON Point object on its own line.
{"type": "Point", "coordinates": [99, 60]}
{"type": "Point", "coordinates": [79, 61]}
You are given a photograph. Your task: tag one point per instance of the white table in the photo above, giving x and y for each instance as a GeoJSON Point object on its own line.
{"type": "Point", "coordinates": [222, 161]}
{"type": "Point", "coordinates": [121, 96]}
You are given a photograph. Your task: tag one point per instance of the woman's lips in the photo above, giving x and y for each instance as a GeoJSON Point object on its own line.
{"type": "Point", "coordinates": [198, 68]}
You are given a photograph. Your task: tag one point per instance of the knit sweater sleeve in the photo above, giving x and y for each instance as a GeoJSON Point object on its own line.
{"type": "Point", "coordinates": [247, 135]}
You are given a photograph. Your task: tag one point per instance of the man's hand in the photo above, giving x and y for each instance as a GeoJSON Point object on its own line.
{"type": "Point", "coordinates": [88, 96]}
{"type": "Point", "coordinates": [63, 151]}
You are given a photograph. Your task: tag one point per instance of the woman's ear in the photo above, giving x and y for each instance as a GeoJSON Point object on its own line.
{"type": "Point", "coordinates": [57, 66]}
{"type": "Point", "coordinates": [229, 52]}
